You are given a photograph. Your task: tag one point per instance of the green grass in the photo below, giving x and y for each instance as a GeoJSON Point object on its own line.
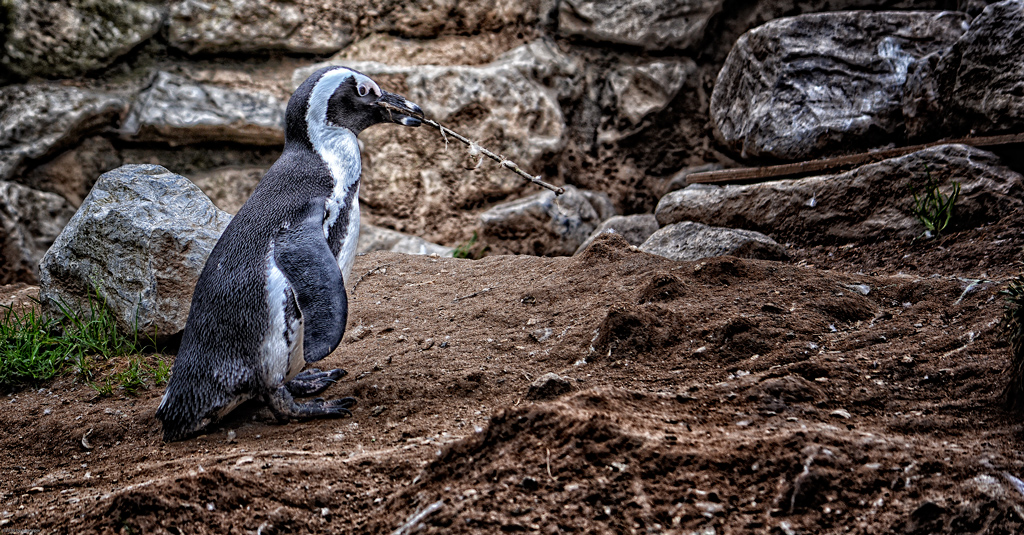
{"type": "Point", "coordinates": [35, 348]}
{"type": "Point", "coordinates": [933, 208]}
{"type": "Point", "coordinates": [465, 249]}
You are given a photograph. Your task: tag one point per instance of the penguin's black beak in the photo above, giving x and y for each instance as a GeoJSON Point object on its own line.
{"type": "Point", "coordinates": [398, 109]}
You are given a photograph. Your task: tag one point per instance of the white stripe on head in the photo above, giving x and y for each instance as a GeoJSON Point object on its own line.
{"type": "Point", "coordinates": [339, 149]}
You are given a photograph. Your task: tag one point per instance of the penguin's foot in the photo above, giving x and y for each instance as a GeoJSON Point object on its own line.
{"type": "Point", "coordinates": [285, 408]}
{"type": "Point", "coordinates": [313, 381]}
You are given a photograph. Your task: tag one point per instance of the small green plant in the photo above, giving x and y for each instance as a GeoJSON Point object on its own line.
{"type": "Point", "coordinates": [465, 248]}
{"type": "Point", "coordinates": [35, 347]}
{"type": "Point", "coordinates": [933, 208]}
{"type": "Point", "coordinates": [1013, 328]}
{"type": "Point", "coordinates": [29, 348]}
{"type": "Point", "coordinates": [161, 372]}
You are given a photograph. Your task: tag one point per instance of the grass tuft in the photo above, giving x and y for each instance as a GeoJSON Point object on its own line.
{"type": "Point", "coordinates": [34, 348]}
{"type": "Point", "coordinates": [933, 208]}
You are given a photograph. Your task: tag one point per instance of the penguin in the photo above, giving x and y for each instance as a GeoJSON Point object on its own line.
{"type": "Point", "coordinates": [271, 297]}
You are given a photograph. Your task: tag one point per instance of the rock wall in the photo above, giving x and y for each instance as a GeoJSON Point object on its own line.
{"type": "Point", "coordinates": [612, 96]}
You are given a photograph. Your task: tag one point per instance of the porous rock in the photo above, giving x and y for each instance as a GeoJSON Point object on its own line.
{"type": "Point", "coordinates": [866, 204]}
{"type": "Point", "coordinates": [548, 386]}
{"type": "Point", "coordinates": [824, 83]}
{"type": "Point", "coordinates": [510, 106]}
{"type": "Point", "coordinates": [40, 119]}
{"type": "Point", "coordinates": [635, 228]}
{"type": "Point", "coordinates": [649, 24]}
{"type": "Point", "coordinates": [229, 187]}
{"type": "Point", "coordinates": [30, 221]}
{"type": "Point", "coordinates": [982, 76]}
{"type": "Point", "coordinates": [71, 37]}
{"type": "Point", "coordinates": [139, 240]}
{"type": "Point", "coordinates": [374, 238]}
{"type": "Point", "coordinates": [688, 240]}
{"type": "Point", "coordinates": [179, 111]}
{"type": "Point", "coordinates": [541, 224]}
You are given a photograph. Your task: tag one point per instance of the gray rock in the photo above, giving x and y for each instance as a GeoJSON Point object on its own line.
{"type": "Point", "coordinates": [824, 83]}
{"type": "Point", "coordinates": [649, 24]}
{"type": "Point", "coordinates": [214, 26]}
{"type": "Point", "coordinates": [541, 224]}
{"type": "Point", "coordinates": [641, 90]}
{"type": "Point", "coordinates": [548, 386]}
{"type": "Point", "coordinates": [318, 27]}
{"type": "Point", "coordinates": [140, 240]}
{"type": "Point", "coordinates": [30, 221]}
{"type": "Point", "coordinates": [40, 119]}
{"type": "Point", "coordinates": [635, 228]}
{"type": "Point", "coordinates": [179, 111]}
{"type": "Point", "coordinates": [601, 202]}
{"type": "Point", "coordinates": [374, 238]}
{"type": "Point", "coordinates": [983, 74]}
{"type": "Point", "coordinates": [872, 202]}
{"type": "Point", "coordinates": [69, 38]}
{"type": "Point", "coordinates": [692, 241]}
{"type": "Point", "coordinates": [511, 106]}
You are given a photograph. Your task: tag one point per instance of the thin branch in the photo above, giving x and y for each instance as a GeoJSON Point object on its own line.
{"type": "Point", "coordinates": [502, 161]}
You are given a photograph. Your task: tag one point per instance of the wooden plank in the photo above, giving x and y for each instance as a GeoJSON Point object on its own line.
{"type": "Point", "coordinates": [752, 175]}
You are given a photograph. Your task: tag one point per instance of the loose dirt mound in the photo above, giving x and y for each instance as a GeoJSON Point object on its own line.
{"type": "Point", "coordinates": [725, 396]}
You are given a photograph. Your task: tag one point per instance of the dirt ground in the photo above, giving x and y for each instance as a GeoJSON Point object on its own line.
{"type": "Point", "coordinates": [849, 390]}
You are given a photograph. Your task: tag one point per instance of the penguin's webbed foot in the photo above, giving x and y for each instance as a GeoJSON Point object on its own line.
{"type": "Point", "coordinates": [285, 408]}
{"type": "Point", "coordinates": [313, 381]}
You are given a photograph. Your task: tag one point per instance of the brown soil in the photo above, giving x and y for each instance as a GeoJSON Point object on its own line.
{"type": "Point", "coordinates": [721, 396]}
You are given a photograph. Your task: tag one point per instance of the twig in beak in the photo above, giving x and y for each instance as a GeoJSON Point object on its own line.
{"type": "Point", "coordinates": [507, 164]}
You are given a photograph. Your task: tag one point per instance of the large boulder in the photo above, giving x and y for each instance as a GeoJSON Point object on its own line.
{"type": "Point", "coordinates": [541, 224]}
{"type": "Point", "coordinates": [824, 83]}
{"type": "Point", "coordinates": [139, 240]}
{"type": "Point", "coordinates": [40, 119]}
{"type": "Point", "coordinates": [510, 106]}
{"type": "Point", "coordinates": [649, 24]}
{"type": "Point", "coordinates": [693, 241]}
{"type": "Point", "coordinates": [872, 202]}
{"type": "Point", "coordinates": [30, 221]}
{"type": "Point", "coordinates": [71, 37]}
{"type": "Point", "coordinates": [178, 111]}
{"type": "Point", "coordinates": [982, 77]}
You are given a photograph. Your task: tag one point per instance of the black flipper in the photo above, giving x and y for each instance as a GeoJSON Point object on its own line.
{"type": "Point", "coordinates": [302, 254]}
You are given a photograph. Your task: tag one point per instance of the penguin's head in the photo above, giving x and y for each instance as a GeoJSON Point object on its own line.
{"type": "Point", "coordinates": [339, 97]}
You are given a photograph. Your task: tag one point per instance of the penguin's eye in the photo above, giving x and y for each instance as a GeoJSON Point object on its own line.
{"type": "Point", "coordinates": [363, 90]}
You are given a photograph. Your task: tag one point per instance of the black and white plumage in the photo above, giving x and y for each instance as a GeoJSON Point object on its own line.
{"type": "Point", "coordinates": [271, 297]}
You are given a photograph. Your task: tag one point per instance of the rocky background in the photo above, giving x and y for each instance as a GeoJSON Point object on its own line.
{"type": "Point", "coordinates": [796, 356]}
{"type": "Point", "coordinates": [619, 98]}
